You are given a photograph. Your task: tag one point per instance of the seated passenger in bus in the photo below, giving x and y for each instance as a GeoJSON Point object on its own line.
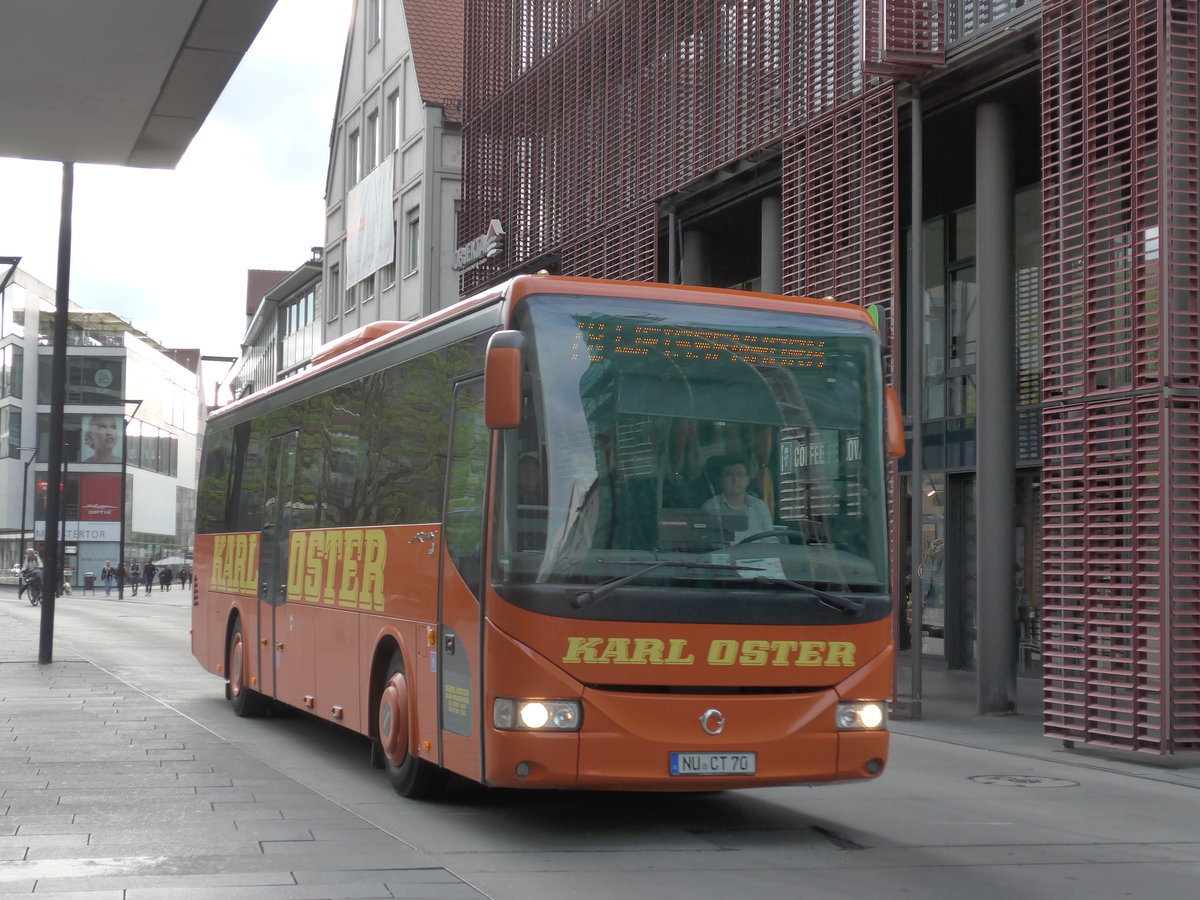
{"type": "Point", "coordinates": [732, 497]}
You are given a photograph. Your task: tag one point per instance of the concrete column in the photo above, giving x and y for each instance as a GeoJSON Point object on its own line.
{"type": "Point", "coordinates": [693, 267]}
{"type": "Point", "coordinates": [995, 419]}
{"type": "Point", "coordinates": [771, 253]}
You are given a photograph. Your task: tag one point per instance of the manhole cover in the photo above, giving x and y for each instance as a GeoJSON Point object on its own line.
{"type": "Point", "coordinates": [1041, 781]}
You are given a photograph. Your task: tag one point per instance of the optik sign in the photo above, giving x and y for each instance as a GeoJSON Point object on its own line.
{"type": "Point", "coordinates": [486, 246]}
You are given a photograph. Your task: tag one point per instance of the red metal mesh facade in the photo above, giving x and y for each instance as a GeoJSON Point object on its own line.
{"type": "Point", "coordinates": [582, 114]}
{"type": "Point", "coordinates": [904, 37]}
{"type": "Point", "coordinates": [1120, 341]}
{"type": "Point", "coordinates": [840, 203]}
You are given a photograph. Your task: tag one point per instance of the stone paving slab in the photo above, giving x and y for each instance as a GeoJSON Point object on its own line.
{"type": "Point", "coordinates": [106, 793]}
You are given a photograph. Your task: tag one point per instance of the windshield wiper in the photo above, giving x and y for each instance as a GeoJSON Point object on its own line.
{"type": "Point", "coordinates": [591, 595]}
{"type": "Point", "coordinates": [847, 605]}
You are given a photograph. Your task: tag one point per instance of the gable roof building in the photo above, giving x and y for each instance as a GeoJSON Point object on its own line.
{"type": "Point", "coordinates": [393, 181]}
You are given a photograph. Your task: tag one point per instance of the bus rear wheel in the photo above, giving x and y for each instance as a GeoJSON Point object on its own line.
{"type": "Point", "coordinates": [411, 776]}
{"type": "Point", "coordinates": [247, 703]}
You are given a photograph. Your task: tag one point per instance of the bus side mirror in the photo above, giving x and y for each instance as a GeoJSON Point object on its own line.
{"type": "Point", "coordinates": [502, 379]}
{"type": "Point", "coordinates": [895, 423]}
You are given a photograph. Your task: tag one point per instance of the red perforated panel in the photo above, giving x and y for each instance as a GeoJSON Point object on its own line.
{"type": "Point", "coordinates": [840, 203]}
{"type": "Point", "coordinates": [903, 37]}
{"type": "Point", "coordinates": [1120, 480]}
{"type": "Point", "coordinates": [581, 116]}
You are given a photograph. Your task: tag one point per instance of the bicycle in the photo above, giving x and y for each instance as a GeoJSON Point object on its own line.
{"type": "Point", "coordinates": [33, 585]}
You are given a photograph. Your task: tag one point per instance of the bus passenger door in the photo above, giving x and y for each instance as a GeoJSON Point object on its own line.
{"type": "Point", "coordinates": [462, 584]}
{"type": "Point", "coordinates": [278, 493]}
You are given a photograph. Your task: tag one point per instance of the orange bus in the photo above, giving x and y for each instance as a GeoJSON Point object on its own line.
{"type": "Point", "coordinates": [567, 533]}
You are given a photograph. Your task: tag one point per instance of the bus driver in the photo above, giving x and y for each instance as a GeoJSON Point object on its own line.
{"type": "Point", "coordinates": [732, 498]}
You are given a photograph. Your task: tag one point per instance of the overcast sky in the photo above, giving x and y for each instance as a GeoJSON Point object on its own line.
{"type": "Point", "coordinates": [168, 250]}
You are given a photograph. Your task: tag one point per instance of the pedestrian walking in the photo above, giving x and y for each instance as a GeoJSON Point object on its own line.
{"type": "Point", "coordinates": [185, 577]}
{"type": "Point", "coordinates": [164, 578]}
{"type": "Point", "coordinates": [121, 574]}
{"type": "Point", "coordinates": [148, 571]}
{"type": "Point", "coordinates": [108, 574]}
{"type": "Point", "coordinates": [135, 575]}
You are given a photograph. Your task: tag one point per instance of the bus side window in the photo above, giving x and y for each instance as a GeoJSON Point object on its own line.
{"type": "Point", "coordinates": [212, 499]}
{"type": "Point", "coordinates": [246, 493]}
{"type": "Point", "coordinates": [465, 481]}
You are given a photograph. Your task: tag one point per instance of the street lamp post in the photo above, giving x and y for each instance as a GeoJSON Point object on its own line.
{"type": "Point", "coordinates": [25, 498]}
{"type": "Point", "coordinates": [62, 488]}
{"type": "Point", "coordinates": [137, 404]}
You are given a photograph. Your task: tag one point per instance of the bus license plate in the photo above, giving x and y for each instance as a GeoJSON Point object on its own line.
{"type": "Point", "coordinates": [714, 763]}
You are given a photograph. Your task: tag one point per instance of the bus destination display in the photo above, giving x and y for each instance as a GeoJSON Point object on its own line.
{"type": "Point", "coordinates": [601, 340]}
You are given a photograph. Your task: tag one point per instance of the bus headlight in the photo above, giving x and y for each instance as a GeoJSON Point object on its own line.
{"type": "Point", "coordinates": [536, 715]}
{"type": "Point", "coordinates": [860, 716]}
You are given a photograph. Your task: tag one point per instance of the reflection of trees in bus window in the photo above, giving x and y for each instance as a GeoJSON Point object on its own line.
{"type": "Point", "coordinates": [369, 452]}
{"type": "Point", "coordinates": [384, 440]}
{"type": "Point", "coordinates": [213, 492]}
{"type": "Point", "coordinates": [308, 468]}
{"type": "Point", "coordinates": [465, 495]}
{"type": "Point", "coordinates": [250, 446]}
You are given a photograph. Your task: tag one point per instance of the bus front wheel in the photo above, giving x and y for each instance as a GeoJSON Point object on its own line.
{"type": "Point", "coordinates": [247, 703]}
{"type": "Point", "coordinates": [410, 775]}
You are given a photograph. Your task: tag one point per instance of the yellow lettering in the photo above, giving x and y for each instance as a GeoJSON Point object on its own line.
{"type": "Point", "coordinates": [352, 549]}
{"type": "Point", "coordinates": [783, 652]}
{"type": "Point", "coordinates": [373, 563]}
{"type": "Point", "coordinates": [810, 653]}
{"type": "Point", "coordinates": [312, 567]}
{"type": "Point", "coordinates": [617, 651]}
{"type": "Point", "coordinates": [675, 653]}
{"type": "Point", "coordinates": [722, 653]}
{"type": "Point", "coordinates": [333, 559]}
{"type": "Point", "coordinates": [841, 653]}
{"type": "Point", "coordinates": [239, 560]}
{"type": "Point", "coordinates": [252, 563]}
{"type": "Point", "coordinates": [367, 555]}
{"type": "Point", "coordinates": [296, 552]}
{"type": "Point", "coordinates": [218, 572]}
{"type": "Point", "coordinates": [647, 650]}
{"type": "Point", "coordinates": [754, 653]}
{"type": "Point", "coordinates": [581, 649]}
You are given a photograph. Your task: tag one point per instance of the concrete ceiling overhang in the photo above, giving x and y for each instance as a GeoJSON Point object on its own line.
{"type": "Point", "coordinates": [121, 82]}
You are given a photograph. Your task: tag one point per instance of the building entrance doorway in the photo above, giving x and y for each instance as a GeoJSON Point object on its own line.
{"type": "Point", "coordinates": [946, 576]}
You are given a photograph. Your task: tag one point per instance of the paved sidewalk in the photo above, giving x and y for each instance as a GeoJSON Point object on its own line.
{"type": "Point", "coordinates": [949, 713]}
{"type": "Point", "coordinates": [107, 794]}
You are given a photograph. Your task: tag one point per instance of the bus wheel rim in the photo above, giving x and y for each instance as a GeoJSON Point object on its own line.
{"type": "Point", "coordinates": [393, 719]}
{"type": "Point", "coordinates": [235, 665]}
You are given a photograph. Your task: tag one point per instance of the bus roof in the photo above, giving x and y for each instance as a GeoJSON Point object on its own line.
{"type": "Point", "coordinates": [375, 335]}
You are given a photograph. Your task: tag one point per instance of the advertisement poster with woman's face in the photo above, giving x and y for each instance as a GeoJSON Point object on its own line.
{"type": "Point", "coordinates": [101, 438]}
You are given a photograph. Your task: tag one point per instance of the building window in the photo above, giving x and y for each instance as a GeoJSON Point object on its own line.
{"type": "Point", "coordinates": [90, 379]}
{"type": "Point", "coordinates": [12, 371]}
{"type": "Point", "coordinates": [368, 288]}
{"type": "Point", "coordinates": [332, 289]}
{"type": "Point", "coordinates": [371, 149]}
{"type": "Point", "coordinates": [353, 158]}
{"type": "Point", "coordinates": [387, 274]}
{"type": "Point", "coordinates": [394, 122]}
{"type": "Point", "coordinates": [298, 326]}
{"type": "Point", "coordinates": [413, 243]}
{"type": "Point", "coordinates": [374, 21]}
{"type": "Point", "coordinates": [10, 432]}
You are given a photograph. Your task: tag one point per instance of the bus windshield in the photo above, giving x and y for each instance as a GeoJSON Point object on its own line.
{"type": "Point", "coordinates": [745, 441]}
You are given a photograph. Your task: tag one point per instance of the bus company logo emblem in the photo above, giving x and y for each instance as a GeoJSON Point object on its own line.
{"type": "Point", "coordinates": [712, 721]}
